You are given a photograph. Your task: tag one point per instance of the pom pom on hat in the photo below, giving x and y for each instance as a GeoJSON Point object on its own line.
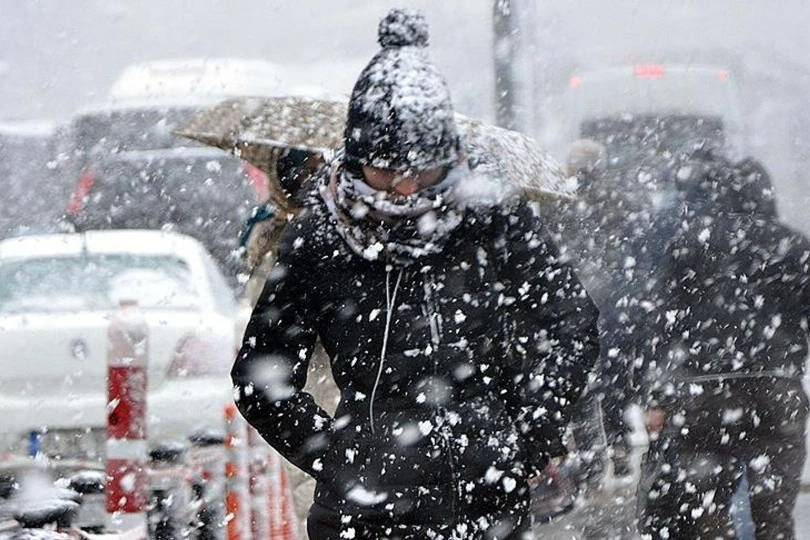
{"type": "Point", "coordinates": [403, 28]}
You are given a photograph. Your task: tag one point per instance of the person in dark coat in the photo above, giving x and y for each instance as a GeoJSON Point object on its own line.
{"type": "Point", "coordinates": [457, 338]}
{"type": "Point", "coordinates": [590, 229]}
{"type": "Point", "coordinates": [725, 375]}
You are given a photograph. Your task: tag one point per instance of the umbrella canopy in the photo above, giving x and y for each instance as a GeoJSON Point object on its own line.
{"type": "Point", "coordinates": [256, 128]}
{"type": "Point", "coordinates": [516, 159]}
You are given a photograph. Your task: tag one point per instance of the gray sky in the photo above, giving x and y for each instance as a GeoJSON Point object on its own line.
{"type": "Point", "coordinates": [57, 55]}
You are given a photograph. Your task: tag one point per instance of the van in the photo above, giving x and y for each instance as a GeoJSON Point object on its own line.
{"type": "Point", "coordinates": [704, 97]}
{"type": "Point", "coordinates": [130, 172]}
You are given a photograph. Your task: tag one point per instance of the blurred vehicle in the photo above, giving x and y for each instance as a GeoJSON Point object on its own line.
{"type": "Point", "coordinates": [132, 173]}
{"type": "Point", "coordinates": [130, 170]}
{"type": "Point", "coordinates": [30, 178]}
{"type": "Point", "coordinates": [228, 77]}
{"type": "Point", "coordinates": [689, 92]}
{"type": "Point", "coordinates": [645, 115]}
{"type": "Point", "coordinates": [212, 77]}
{"type": "Point", "coordinates": [57, 293]}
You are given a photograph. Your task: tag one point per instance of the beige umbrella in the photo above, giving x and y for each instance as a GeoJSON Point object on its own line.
{"type": "Point", "coordinates": [256, 128]}
{"type": "Point", "coordinates": [252, 126]}
{"type": "Point", "coordinates": [516, 159]}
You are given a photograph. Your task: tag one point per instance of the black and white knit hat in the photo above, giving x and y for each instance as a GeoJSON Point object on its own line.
{"type": "Point", "coordinates": [400, 113]}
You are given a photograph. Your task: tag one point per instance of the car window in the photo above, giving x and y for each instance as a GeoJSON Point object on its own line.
{"type": "Point", "coordinates": [634, 139]}
{"type": "Point", "coordinates": [220, 288]}
{"type": "Point", "coordinates": [95, 282]}
{"type": "Point", "coordinates": [23, 158]}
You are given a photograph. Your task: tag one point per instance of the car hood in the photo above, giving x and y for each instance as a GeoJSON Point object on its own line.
{"type": "Point", "coordinates": [58, 354]}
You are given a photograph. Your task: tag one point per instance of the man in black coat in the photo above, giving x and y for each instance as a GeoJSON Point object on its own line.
{"type": "Point", "coordinates": [457, 338]}
{"type": "Point", "coordinates": [725, 375]}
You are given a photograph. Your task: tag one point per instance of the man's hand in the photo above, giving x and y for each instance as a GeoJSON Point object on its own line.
{"type": "Point", "coordinates": [656, 420]}
{"type": "Point", "coordinates": [548, 473]}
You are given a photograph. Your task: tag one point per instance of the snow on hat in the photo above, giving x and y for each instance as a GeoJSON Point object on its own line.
{"type": "Point", "coordinates": [400, 113]}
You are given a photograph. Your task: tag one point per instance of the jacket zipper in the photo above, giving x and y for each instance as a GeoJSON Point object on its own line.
{"type": "Point", "coordinates": [445, 431]}
{"type": "Point", "coordinates": [434, 318]}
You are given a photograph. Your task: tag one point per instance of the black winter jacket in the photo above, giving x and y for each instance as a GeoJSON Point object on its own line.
{"type": "Point", "coordinates": [734, 294]}
{"type": "Point", "coordinates": [456, 372]}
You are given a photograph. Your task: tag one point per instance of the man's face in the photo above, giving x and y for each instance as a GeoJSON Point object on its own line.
{"type": "Point", "coordinates": [402, 183]}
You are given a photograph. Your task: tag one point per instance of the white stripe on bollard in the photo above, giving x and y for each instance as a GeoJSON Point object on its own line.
{"type": "Point", "coordinates": [127, 449]}
{"type": "Point", "coordinates": [127, 457]}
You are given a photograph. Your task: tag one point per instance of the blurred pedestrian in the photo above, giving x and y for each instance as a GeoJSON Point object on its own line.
{"type": "Point", "coordinates": [289, 180]}
{"type": "Point", "coordinates": [589, 230]}
{"type": "Point", "coordinates": [457, 338]}
{"type": "Point", "coordinates": [725, 370]}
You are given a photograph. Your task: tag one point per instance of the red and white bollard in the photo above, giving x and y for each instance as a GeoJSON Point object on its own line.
{"type": "Point", "coordinates": [127, 452]}
{"type": "Point", "coordinates": [237, 504]}
{"type": "Point", "coordinates": [280, 509]}
{"type": "Point", "coordinates": [259, 486]}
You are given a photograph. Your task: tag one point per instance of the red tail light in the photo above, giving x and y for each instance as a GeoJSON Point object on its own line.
{"type": "Point", "coordinates": [196, 355]}
{"type": "Point", "coordinates": [649, 71]}
{"type": "Point", "coordinates": [258, 179]}
{"type": "Point", "coordinates": [575, 82]}
{"type": "Point", "coordinates": [82, 191]}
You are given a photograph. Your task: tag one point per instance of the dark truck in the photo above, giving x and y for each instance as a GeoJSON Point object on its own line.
{"type": "Point", "coordinates": [649, 115]}
{"type": "Point", "coordinates": [132, 173]}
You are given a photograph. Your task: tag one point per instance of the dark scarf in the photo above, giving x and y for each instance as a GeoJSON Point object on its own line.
{"type": "Point", "coordinates": [380, 226]}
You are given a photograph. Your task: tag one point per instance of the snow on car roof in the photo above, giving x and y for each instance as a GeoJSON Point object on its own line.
{"type": "Point", "coordinates": [186, 153]}
{"type": "Point", "coordinates": [199, 76]}
{"type": "Point", "coordinates": [144, 242]}
{"type": "Point", "coordinates": [151, 103]}
{"type": "Point", "coordinates": [28, 128]}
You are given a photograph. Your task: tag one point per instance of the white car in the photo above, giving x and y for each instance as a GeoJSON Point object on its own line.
{"type": "Point", "coordinates": [57, 293]}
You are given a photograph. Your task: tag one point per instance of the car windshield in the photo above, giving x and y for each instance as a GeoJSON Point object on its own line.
{"type": "Point", "coordinates": [95, 282]}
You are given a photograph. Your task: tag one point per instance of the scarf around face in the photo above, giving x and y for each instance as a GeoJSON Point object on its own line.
{"type": "Point", "coordinates": [378, 225]}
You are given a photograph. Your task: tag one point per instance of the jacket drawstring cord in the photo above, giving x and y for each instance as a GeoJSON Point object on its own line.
{"type": "Point", "coordinates": [442, 423]}
{"type": "Point", "coordinates": [390, 301]}
{"type": "Point", "coordinates": [434, 318]}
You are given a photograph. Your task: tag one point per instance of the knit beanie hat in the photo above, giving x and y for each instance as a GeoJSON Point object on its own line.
{"type": "Point", "coordinates": [400, 113]}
